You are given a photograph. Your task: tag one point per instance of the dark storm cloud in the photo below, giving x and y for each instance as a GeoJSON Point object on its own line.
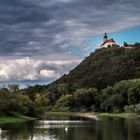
{"type": "Point", "coordinates": [51, 24]}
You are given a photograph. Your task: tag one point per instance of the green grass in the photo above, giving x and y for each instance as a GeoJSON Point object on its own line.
{"type": "Point", "coordinates": [97, 116]}
{"type": "Point", "coordinates": [14, 119]}
{"type": "Point", "coordinates": [115, 115]}
{"type": "Point", "coordinates": [74, 114]}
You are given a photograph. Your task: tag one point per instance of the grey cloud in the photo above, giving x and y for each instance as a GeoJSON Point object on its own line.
{"type": "Point", "coordinates": [31, 69]}
{"type": "Point", "coordinates": [24, 21]}
{"type": "Point", "coordinates": [47, 29]}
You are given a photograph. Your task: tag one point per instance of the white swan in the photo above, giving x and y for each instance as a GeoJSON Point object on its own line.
{"type": "Point", "coordinates": [66, 129]}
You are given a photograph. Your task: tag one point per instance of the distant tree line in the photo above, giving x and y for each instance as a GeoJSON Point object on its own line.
{"type": "Point", "coordinates": [36, 100]}
{"type": "Point", "coordinates": [13, 100]}
{"type": "Point", "coordinates": [123, 96]}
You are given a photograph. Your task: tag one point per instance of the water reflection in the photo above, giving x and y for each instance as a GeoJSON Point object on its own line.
{"type": "Point", "coordinates": [61, 123]}
{"type": "Point", "coordinates": [17, 131]}
{"type": "Point", "coordinates": [77, 129]}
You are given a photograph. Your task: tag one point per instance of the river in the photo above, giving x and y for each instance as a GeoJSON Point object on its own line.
{"type": "Point", "coordinates": [72, 128]}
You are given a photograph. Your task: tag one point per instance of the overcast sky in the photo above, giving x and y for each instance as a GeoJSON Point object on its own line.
{"type": "Point", "coordinates": [40, 40]}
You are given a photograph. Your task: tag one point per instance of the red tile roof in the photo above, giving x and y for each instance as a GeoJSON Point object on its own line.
{"type": "Point", "coordinates": [108, 41]}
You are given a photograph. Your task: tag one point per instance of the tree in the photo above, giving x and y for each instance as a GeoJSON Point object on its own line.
{"type": "Point", "coordinates": [65, 101]}
{"type": "Point", "coordinates": [25, 105]}
{"type": "Point", "coordinates": [40, 105]}
{"type": "Point", "coordinates": [13, 88]}
{"type": "Point", "coordinates": [116, 102]}
{"type": "Point", "coordinates": [86, 98]}
{"type": "Point", "coordinates": [137, 44]}
{"type": "Point", "coordinates": [63, 89]}
{"type": "Point", "coordinates": [134, 95]}
{"type": "Point", "coordinates": [122, 88]}
{"type": "Point", "coordinates": [125, 44]}
{"type": "Point", "coordinates": [104, 102]}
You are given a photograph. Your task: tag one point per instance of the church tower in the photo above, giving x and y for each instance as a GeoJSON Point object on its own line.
{"type": "Point", "coordinates": [107, 42]}
{"type": "Point", "coordinates": [105, 38]}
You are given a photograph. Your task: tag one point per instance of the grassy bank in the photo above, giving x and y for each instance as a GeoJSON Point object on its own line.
{"type": "Point", "coordinates": [95, 116]}
{"type": "Point", "coordinates": [14, 119]}
{"type": "Point", "coordinates": [116, 115]}
{"type": "Point", "coordinates": [75, 114]}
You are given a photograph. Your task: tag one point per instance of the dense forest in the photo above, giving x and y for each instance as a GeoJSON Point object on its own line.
{"type": "Point", "coordinates": [106, 81]}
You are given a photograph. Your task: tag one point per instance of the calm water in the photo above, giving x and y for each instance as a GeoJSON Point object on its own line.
{"type": "Point", "coordinates": [68, 128]}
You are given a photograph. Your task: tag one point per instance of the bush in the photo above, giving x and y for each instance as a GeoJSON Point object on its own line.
{"type": "Point", "coordinates": [137, 108]}
{"type": "Point", "coordinates": [65, 101]}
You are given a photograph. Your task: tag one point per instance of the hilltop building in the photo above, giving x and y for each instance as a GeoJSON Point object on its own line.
{"type": "Point", "coordinates": [107, 42]}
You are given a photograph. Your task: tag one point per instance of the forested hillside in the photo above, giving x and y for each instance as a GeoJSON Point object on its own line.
{"type": "Point", "coordinates": [105, 67]}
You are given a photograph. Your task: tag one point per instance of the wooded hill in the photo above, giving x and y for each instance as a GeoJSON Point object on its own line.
{"type": "Point", "coordinates": [105, 67]}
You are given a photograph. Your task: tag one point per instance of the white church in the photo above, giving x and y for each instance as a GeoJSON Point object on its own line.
{"type": "Point", "coordinates": [107, 42]}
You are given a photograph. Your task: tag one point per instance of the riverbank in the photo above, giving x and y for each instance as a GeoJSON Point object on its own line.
{"type": "Point", "coordinates": [116, 115]}
{"type": "Point", "coordinates": [15, 118]}
{"type": "Point", "coordinates": [95, 116]}
{"type": "Point", "coordinates": [74, 114]}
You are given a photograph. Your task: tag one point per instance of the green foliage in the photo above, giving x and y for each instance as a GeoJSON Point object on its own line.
{"type": "Point", "coordinates": [25, 104]}
{"type": "Point", "coordinates": [65, 101]}
{"type": "Point", "coordinates": [63, 89]}
{"type": "Point", "coordinates": [54, 92]}
{"type": "Point", "coordinates": [116, 98]}
{"type": "Point", "coordinates": [116, 102]}
{"type": "Point", "coordinates": [12, 103]}
{"type": "Point", "coordinates": [40, 105]}
{"type": "Point", "coordinates": [31, 91]}
{"type": "Point", "coordinates": [105, 67]}
{"type": "Point", "coordinates": [105, 104]}
{"type": "Point", "coordinates": [63, 97]}
{"type": "Point", "coordinates": [134, 94]}
{"type": "Point", "coordinates": [86, 98]}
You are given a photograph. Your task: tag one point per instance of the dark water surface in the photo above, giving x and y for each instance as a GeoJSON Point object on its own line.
{"type": "Point", "coordinates": [69, 128]}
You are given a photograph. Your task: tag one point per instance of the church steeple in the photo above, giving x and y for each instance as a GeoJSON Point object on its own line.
{"type": "Point", "coordinates": [105, 37]}
{"type": "Point", "coordinates": [107, 42]}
